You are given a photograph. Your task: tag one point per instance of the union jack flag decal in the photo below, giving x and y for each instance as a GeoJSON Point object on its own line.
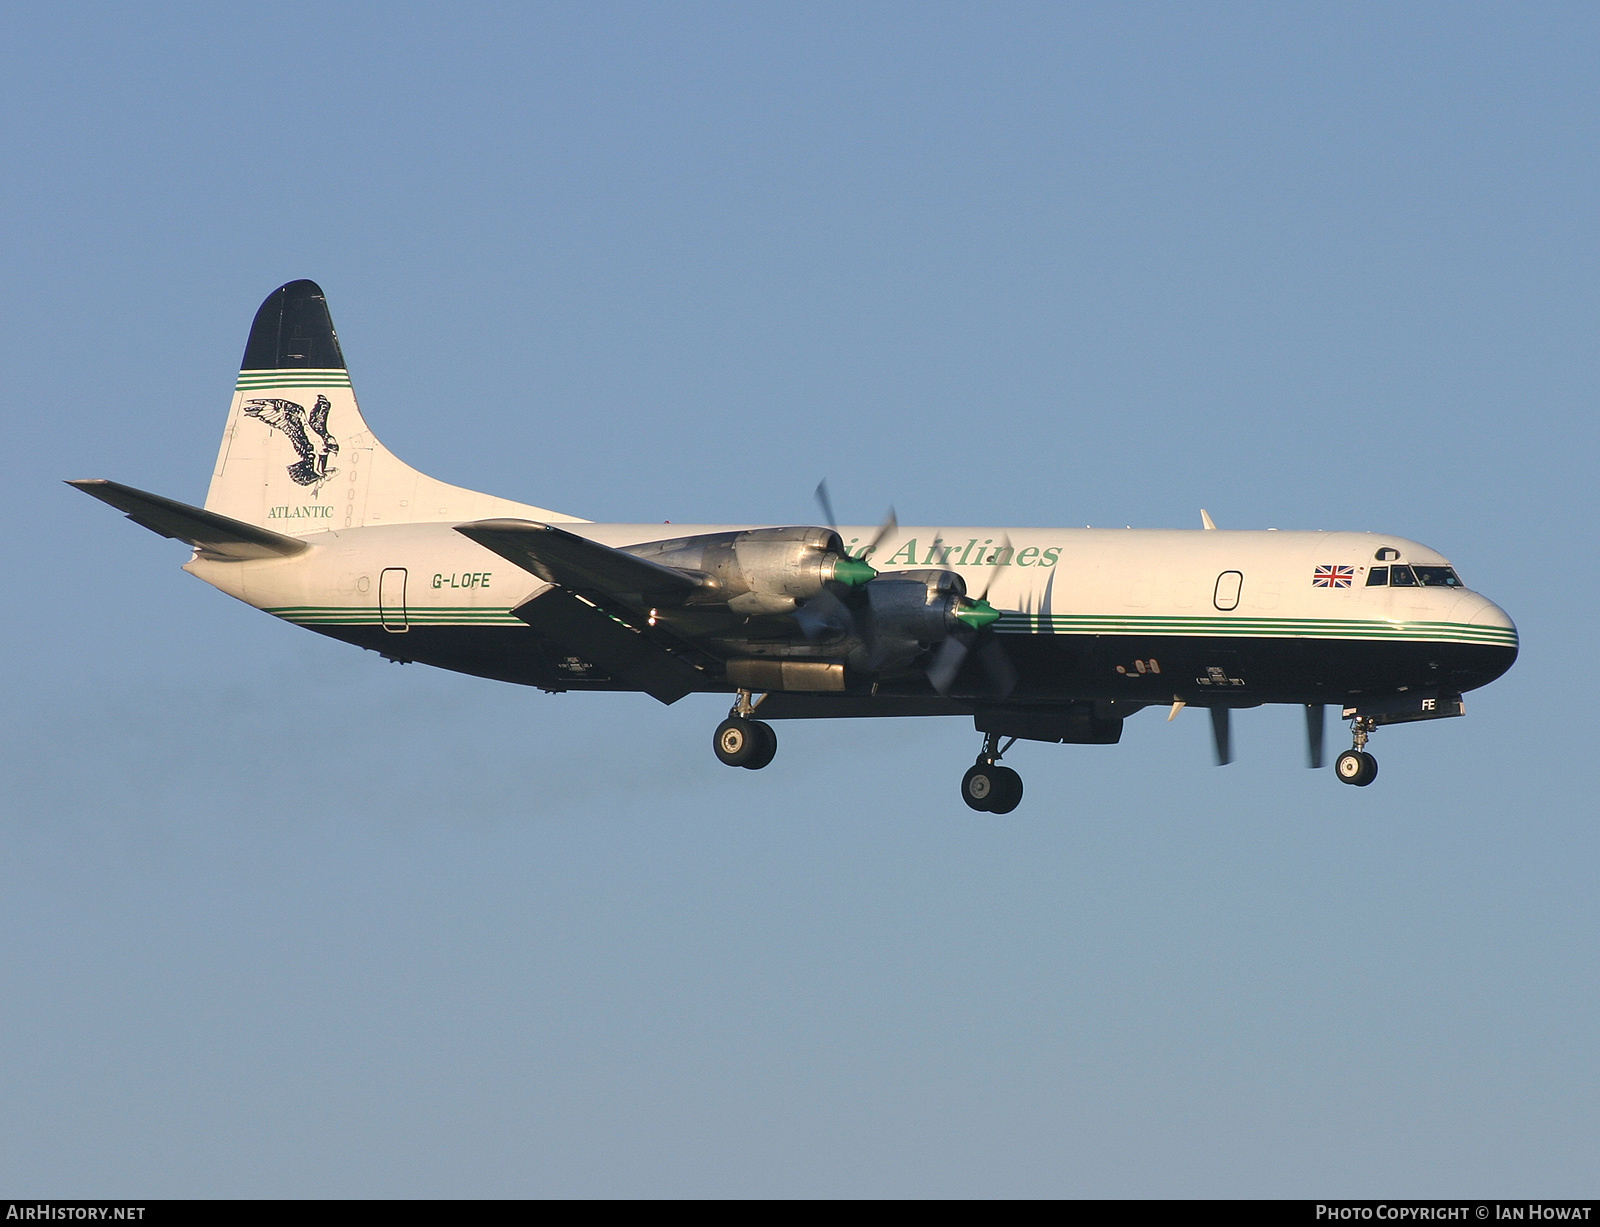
{"type": "Point", "coordinates": [1333, 577]}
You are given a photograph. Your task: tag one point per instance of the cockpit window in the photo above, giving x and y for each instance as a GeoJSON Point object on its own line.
{"type": "Point", "coordinates": [1413, 577]}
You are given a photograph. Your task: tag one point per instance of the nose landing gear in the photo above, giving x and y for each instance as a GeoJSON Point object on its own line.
{"type": "Point", "coordinates": [988, 787]}
{"type": "Point", "coordinates": [742, 742]}
{"type": "Point", "coordinates": [1355, 765]}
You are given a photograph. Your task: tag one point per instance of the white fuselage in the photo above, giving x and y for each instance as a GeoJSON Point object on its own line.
{"type": "Point", "coordinates": [1055, 581]}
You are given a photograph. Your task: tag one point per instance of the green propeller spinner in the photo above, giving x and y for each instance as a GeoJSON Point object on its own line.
{"type": "Point", "coordinates": [976, 613]}
{"type": "Point", "coordinates": [853, 571]}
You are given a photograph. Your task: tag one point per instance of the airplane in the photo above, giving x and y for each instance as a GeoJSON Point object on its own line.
{"type": "Point", "coordinates": [1051, 635]}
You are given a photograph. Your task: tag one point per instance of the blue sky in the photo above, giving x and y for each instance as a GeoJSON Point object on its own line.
{"type": "Point", "coordinates": [284, 919]}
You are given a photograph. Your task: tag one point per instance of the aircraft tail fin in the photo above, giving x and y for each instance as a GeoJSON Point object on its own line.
{"type": "Point", "coordinates": [298, 457]}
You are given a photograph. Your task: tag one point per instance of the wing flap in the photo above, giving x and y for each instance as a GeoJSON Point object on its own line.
{"type": "Point", "coordinates": [218, 536]}
{"type": "Point", "coordinates": [559, 557]}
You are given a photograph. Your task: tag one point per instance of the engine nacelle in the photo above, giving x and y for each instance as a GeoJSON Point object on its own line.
{"type": "Point", "coordinates": [907, 613]}
{"type": "Point", "coordinates": [761, 570]}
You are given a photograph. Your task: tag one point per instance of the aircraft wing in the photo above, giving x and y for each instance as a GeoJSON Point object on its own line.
{"type": "Point", "coordinates": [602, 630]}
{"type": "Point", "coordinates": [575, 562]}
{"type": "Point", "coordinates": [216, 535]}
{"type": "Point", "coordinates": [629, 653]}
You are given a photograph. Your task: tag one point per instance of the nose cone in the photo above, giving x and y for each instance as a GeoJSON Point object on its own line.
{"type": "Point", "coordinates": [1492, 640]}
{"type": "Point", "coordinates": [1477, 610]}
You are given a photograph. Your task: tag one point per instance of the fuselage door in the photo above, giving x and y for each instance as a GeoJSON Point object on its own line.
{"type": "Point", "coordinates": [1226, 594]}
{"type": "Point", "coordinates": [392, 599]}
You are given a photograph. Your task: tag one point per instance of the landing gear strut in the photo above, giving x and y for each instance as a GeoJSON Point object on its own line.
{"type": "Point", "coordinates": [742, 742]}
{"type": "Point", "coordinates": [988, 787]}
{"type": "Point", "coordinates": [1355, 765]}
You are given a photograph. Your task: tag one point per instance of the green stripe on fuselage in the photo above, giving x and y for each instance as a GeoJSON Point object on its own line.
{"type": "Point", "coordinates": [1010, 623]}
{"type": "Point", "coordinates": [1257, 628]}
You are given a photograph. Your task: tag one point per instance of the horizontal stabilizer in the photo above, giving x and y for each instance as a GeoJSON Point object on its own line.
{"type": "Point", "coordinates": [217, 536]}
{"type": "Point", "coordinates": [575, 562]}
{"type": "Point", "coordinates": [619, 649]}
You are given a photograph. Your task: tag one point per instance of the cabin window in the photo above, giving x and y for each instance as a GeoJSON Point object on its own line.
{"type": "Point", "coordinates": [1226, 595]}
{"type": "Point", "coordinates": [1378, 577]}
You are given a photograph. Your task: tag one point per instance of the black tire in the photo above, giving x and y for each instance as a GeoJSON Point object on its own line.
{"type": "Point", "coordinates": [766, 745]}
{"type": "Point", "coordinates": [736, 741]}
{"type": "Point", "coordinates": [1356, 767]}
{"type": "Point", "coordinates": [1008, 791]}
{"type": "Point", "coordinates": [978, 786]}
{"type": "Point", "coordinates": [1349, 767]}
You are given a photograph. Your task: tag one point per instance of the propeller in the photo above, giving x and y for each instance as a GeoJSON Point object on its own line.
{"type": "Point", "coordinates": [1222, 734]}
{"type": "Point", "coordinates": [977, 615]}
{"type": "Point", "coordinates": [825, 616]}
{"type": "Point", "coordinates": [1315, 714]}
{"type": "Point", "coordinates": [890, 523]}
{"type": "Point", "coordinates": [826, 504]}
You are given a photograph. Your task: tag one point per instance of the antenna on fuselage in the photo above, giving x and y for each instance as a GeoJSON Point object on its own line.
{"type": "Point", "coordinates": [1205, 520]}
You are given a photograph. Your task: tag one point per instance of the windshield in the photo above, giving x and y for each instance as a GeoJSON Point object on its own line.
{"type": "Point", "coordinates": [1412, 577]}
{"type": "Point", "coordinates": [1438, 577]}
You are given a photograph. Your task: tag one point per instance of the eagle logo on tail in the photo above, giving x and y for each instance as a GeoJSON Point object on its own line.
{"type": "Point", "coordinates": [312, 469]}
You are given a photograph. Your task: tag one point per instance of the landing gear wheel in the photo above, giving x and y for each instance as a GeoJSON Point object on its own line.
{"type": "Point", "coordinates": [766, 745]}
{"type": "Point", "coordinates": [1356, 767]}
{"type": "Point", "coordinates": [990, 789]}
{"type": "Point", "coordinates": [977, 787]}
{"type": "Point", "coordinates": [738, 741]}
{"type": "Point", "coordinates": [1008, 791]}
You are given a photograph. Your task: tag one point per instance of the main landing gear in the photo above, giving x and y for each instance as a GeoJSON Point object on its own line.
{"type": "Point", "coordinates": [988, 787]}
{"type": "Point", "coordinates": [742, 742]}
{"type": "Point", "coordinates": [1355, 765]}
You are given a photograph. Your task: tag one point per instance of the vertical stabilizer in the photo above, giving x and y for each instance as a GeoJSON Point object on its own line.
{"type": "Point", "coordinates": [298, 457]}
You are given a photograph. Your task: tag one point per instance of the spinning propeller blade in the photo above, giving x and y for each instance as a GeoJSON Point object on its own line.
{"type": "Point", "coordinates": [890, 523]}
{"type": "Point", "coordinates": [978, 616]}
{"type": "Point", "coordinates": [1002, 552]}
{"type": "Point", "coordinates": [952, 654]}
{"type": "Point", "coordinates": [946, 663]}
{"type": "Point", "coordinates": [1222, 734]}
{"type": "Point", "coordinates": [1315, 714]}
{"type": "Point", "coordinates": [826, 504]}
{"type": "Point", "coordinates": [824, 616]}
